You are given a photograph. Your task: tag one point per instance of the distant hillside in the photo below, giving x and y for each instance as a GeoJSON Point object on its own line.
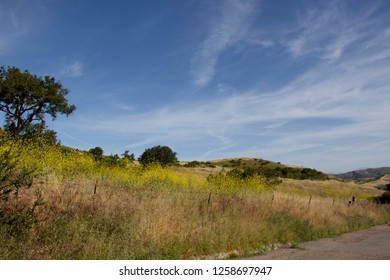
{"type": "Point", "coordinates": [269, 169]}
{"type": "Point", "coordinates": [364, 175]}
{"type": "Point", "coordinates": [383, 183]}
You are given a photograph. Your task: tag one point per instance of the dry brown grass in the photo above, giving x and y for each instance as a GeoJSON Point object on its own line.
{"type": "Point", "coordinates": [328, 188]}
{"type": "Point", "coordinates": [137, 223]}
{"type": "Point", "coordinates": [164, 213]}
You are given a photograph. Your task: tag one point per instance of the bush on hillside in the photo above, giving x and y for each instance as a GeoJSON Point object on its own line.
{"type": "Point", "coordinates": [383, 199]}
{"type": "Point", "coordinates": [285, 172]}
{"type": "Point", "coordinates": [193, 164]}
{"type": "Point", "coordinates": [158, 154]}
{"type": "Point", "coordinates": [97, 153]}
{"type": "Point", "coordinates": [13, 175]}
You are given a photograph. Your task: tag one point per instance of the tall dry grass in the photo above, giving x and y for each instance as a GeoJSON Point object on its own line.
{"type": "Point", "coordinates": [327, 188]}
{"type": "Point", "coordinates": [80, 209]}
{"type": "Point", "coordinates": [143, 223]}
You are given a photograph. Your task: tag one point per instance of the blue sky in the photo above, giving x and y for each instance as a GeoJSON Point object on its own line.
{"type": "Point", "coordinates": [300, 82]}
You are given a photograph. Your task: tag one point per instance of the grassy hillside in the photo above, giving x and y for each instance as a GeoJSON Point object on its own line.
{"type": "Point", "coordinates": [382, 183]}
{"type": "Point", "coordinates": [60, 203]}
{"type": "Point", "coordinates": [333, 188]}
{"type": "Point", "coordinates": [266, 168]}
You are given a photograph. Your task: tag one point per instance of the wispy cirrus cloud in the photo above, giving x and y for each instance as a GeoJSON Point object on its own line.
{"type": "Point", "coordinates": [330, 103]}
{"type": "Point", "coordinates": [11, 29]}
{"type": "Point", "coordinates": [71, 69]}
{"type": "Point", "coordinates": [18, 21]}
{"type": "Point", "coordinates": [329, 31]}
{"type": "Point", "coordinates": [331, 114]}
{"type": "Point", "coordinates": [230, 26]}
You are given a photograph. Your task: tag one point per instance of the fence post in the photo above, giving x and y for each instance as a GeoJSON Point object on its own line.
{"type": "Point", "coordinates": [209, 201]}
{"type": "Point", "coordinates": [95, 188]}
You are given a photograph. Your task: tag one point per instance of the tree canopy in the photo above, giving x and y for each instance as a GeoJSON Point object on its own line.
{"type": "Point", "coordinates": [97, 153]}
{"type": "Point", "coordinates": [127, 155]}
{"type": "Point", "coordinates": [26, 99]}
{"type": "Point", "coordinates": [158, 154]}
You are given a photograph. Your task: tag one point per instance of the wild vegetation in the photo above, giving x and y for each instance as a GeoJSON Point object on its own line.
{"type": "Point", "coordinates": [266, 168]}
{"type": "Point", "coordinates": [60, 203]}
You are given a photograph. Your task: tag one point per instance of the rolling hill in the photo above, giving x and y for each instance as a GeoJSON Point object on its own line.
{"type": "Point", "coordinates": [271, 170]}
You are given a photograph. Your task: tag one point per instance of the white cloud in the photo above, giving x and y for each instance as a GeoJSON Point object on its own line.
{"type": "Point", "coordinates": [264, 43]}
{"type": "Point", "coordinates": [347, 88]}
{"type": "Point", "coordinates": [327, 32]}
{"type": "Point", "coordinates": [20, 20]}
{"type": "Point", "coordinates": [356, 97]}
{"type": "Point", "coordinates": [71, 69]}
{"type": "Point", "coordinates": [231, 25]}
{"type": "Point", "coordinates": [336, 48]}
{"type": "Point", "coordinates": [10, 29]}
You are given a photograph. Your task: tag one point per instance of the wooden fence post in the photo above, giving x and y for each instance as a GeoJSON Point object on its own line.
{"type": "Point", "coordinates": [95, 188]}
{"type": "Point", "coordinates": [209, 201]}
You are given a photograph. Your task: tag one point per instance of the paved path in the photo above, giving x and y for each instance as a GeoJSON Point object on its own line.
{"type": "Point", "coordinates": [368, 244]}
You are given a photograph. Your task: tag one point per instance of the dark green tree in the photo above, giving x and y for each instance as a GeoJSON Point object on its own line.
{"type": "Point", "coordinates": [97, 153]}
{"type": "Point", "coordinates": [128, 156]}
{"type": "Point", "coordinates": [158, 154]}
{"type": "Point", "coordinates": [26, 99]}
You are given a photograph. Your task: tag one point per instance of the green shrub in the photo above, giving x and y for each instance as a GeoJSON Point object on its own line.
{"type": "Point", "coordinates": [159, 154]}
{"type": "Point", "coordinates": [384, 198]}
{"type": "Point", "coordinates": [193, 164]}
{"type": "Point", "coordinates": [13, 176]}
{"type": "Point", "coordinates": [97, 153]}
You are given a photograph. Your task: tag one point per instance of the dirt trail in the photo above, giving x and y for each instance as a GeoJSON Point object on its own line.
{"type": "Point", "coordinates": [368, 244]}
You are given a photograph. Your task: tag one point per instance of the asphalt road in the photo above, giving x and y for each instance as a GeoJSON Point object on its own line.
{"type": "Point", "coordinates": [368, 244]}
